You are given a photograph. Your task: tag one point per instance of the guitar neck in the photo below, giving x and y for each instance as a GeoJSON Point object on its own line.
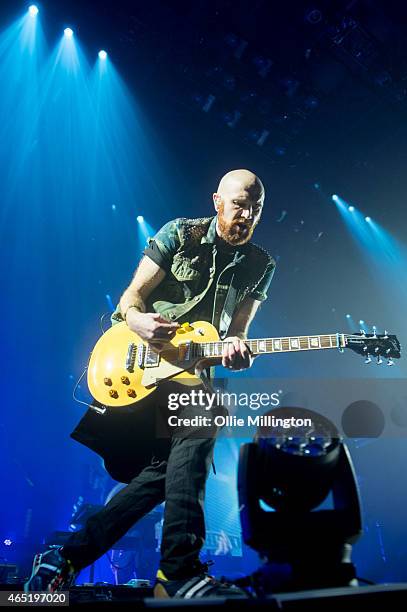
{"type": "Point", "coordinates": [284, 344]}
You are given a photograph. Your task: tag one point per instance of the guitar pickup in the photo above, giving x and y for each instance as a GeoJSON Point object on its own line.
{"type": "Point", "coordinates": [152, 359]}
{"type": "Point", "coordinates": [184, 351]}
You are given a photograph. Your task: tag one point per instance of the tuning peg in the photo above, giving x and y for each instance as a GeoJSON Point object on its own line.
{"type": "Point", "coordinates": [379, 360]}
{"type": "Point", "coordinates": [390, 362]}
{"type": "Point", "coordinates": [368, 358]}
{"type": "Point", "coordinates": [374, 331]}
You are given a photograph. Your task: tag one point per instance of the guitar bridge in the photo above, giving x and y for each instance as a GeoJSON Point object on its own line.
{"type": "Point", "coordinates": [131, 357]}
{"type": "Point", "coordinates": [140, 355]}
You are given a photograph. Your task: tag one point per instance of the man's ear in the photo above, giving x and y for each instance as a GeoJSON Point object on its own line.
{"type": "Point", "coordinates": [216, 201]}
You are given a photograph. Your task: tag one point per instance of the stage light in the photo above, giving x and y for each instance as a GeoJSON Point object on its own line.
{"type": "Point", "coordinates": [33, 10]}
{"type": "Point", "coordinates": [293, 471]}
{"type": "Point", "coordinates": [367, 219]}
{"type": "Point", "coordinates": [140, 218]}
{"type": "Point", "coordinates": [348, 316]}
{"type": "Point", "coordinates": [351, 208]}
{"type": "Point", "coordinates": [102, 55]}
{"type": "Point", "coordinates": [335, 197]}
{"type": "Point", "coordinates": [68, 32]}
{"type": "Point", "coordinates": [7, 542]}
{"type": "Point", "coordinates": [361, 322]}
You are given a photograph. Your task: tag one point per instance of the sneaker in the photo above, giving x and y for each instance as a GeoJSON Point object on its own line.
{"type": "Point", "coordinates": [50, 572]}
{"type": "Point", "coordinates": [201, 585]}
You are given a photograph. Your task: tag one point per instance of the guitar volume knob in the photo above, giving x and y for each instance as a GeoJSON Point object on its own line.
{"type": "Point", "coordinates": [125, 380]}
{"type": "Point", "coordinates": [131, 393]}
{"type": "Point", "coordinates": [107, 381]}
{"type": "Point", "coordinates": [113, 393]}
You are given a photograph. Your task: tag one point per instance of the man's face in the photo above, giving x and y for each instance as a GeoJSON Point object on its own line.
{"type": "Point", "coordinates": [239, 211]}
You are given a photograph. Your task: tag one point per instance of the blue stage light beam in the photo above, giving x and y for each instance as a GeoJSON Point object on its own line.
{"type": "Point", "coordinates": [384, 255]}
{"type": "Point", "coordinates": [124, 155]}
{"type": "Point", "coordinates": [73, 144]}
{"type": "Point", "coordinates": [340, 203]}
{"type": "Point", "coordinates": [145, 230]}
{"type": "Point", "coordinates": [102, 55]}
{"type": "Point", "coordinates": [68, 32]}
{"type": "Point", "coordinates": [351, 323]}
{"type": "Point", "coordinates": [33, 10]}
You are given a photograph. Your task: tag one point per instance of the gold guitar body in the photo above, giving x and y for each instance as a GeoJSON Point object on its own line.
{"type": "Point", "coordinates": [124, 369]}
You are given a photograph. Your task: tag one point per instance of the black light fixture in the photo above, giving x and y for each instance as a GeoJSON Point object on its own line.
{"type": "Point", "coordinates": [292, 470]}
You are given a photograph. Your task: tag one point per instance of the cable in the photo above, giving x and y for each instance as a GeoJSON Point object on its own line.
{"type": "Point", "coordinates": [75, 388]}
{"type": "Point", "coordinates": [105, 314]}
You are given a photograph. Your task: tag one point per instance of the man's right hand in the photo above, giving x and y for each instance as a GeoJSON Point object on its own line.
{"type": "Point", "coordinates": [151, 327]}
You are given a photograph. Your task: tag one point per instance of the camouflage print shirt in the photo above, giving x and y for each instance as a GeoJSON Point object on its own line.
{"type": "Point", "coordinates": [206, 279]}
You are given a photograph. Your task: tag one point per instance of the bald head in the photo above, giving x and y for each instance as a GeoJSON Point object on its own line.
{"type": "Point", "coordinates": [238, 202]}
{"type": "Point", "coordinates": [243, 181]}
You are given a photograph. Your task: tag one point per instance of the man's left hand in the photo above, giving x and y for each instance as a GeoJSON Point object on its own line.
{"type": "Point", "coordinates": [236, 355]}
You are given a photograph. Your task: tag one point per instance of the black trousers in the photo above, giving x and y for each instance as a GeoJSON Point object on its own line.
{"type": "Point", "coordinates": [177, 472]}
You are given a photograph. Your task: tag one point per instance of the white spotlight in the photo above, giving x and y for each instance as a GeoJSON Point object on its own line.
{"type": "Point", "coordinates": [33, 10]}
{"type": "Point", "coordinates": [140, 218]}
{"type": "Point", "coordinates": [367, 219]}
{"type": "Point", "coordinates": [351, 208]}
{"type": "Point", "coordinates": [335, 197]}
{"type": "Point", "coordinates": [68, 32]}
{"type": "Point", "coordinates": [102, 55]}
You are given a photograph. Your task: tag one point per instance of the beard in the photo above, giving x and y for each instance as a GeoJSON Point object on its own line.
{"type": "Point", "coordinates": [236, 232]}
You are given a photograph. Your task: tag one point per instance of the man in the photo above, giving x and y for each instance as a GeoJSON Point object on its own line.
{"type": "Point", "coordinates": [193, 269]}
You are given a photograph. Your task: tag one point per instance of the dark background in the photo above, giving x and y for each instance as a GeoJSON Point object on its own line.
{"type": "Point", "coordinates": [312, 96]}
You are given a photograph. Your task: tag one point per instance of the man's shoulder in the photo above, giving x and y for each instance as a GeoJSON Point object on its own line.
{"type": "Point", "coordinates": [256, 253]}
{"type": "Point", "coordinates": [189, 228]}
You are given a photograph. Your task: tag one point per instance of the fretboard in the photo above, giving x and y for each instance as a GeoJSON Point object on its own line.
{"type": "Point", "coordinates": [278, 345]}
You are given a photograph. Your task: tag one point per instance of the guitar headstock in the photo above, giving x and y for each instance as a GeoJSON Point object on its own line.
{"type": "Point", "coordinates": [374, 345]}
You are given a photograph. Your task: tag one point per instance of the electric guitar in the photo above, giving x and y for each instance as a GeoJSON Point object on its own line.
{"type": "Point", "coordinates": [124, 369]}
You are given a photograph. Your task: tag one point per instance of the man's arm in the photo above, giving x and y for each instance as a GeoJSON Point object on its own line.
{"type": "Point", "coordinates": [150, 326]}
{"type": "Point", "coordinates": [146, 278]}
{"type": "Point", "coordinates": [236, 355]}
{"type": "Point", "coordinates": [243, 317]}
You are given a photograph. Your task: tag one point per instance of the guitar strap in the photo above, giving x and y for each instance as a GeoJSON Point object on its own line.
{"type": "Point", "coordinates": [228, 308]}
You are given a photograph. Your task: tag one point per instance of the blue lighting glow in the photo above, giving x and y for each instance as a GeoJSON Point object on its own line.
{"type": "Point", "coordinates": [348, 316]}
{"type": "Point", "coordinates": [367, 219]}
{"type": "Point", "coordinates": [33, 10]}
{"type": "Point", "coordinates": [351, 208]}
{"type": "Point", "coordinates": [361, 322]}
{"type": "Point", "coordinates": [335, 197]}
{"type": "Point", "coordinates": [102, 55]}
{"type": "Point", "coordinates": [140, 219]}
{"type": "Point", "coordinates": [68, 32]}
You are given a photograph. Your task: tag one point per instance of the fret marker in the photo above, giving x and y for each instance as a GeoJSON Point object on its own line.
{"type": "Point", "coordinates": [294, 344]}
{"type": "Point", "coordinates": [262, 346]}
{"type": "Point", "coordinates": [277, 345]}
{"type": "Point", "coordinates": [314, 342]}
